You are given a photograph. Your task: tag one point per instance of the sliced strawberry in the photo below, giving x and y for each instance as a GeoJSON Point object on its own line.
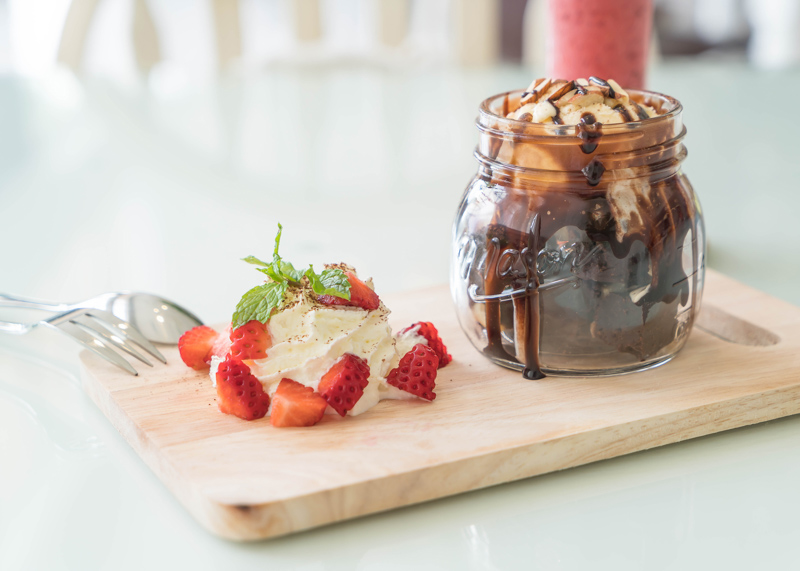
{"type": "Point", "coordinates": [429, 332]}
{"type": "Point", "coordinates": [344, 383]}
{"type": "Point", "coordinates": [416, 372]}
{"type": "Point", "coordinates": [251, 340]}
{"type": "Point", "coordinates": [239, 392]}
{"type": "Point", "coordinates": [361, 295]}
{"type": "Point", "coordinates": [195, 346]}
{"type": "Point", "coordinates": [222, 344]}
{"type": "Point", "coordinates": [294, 404]}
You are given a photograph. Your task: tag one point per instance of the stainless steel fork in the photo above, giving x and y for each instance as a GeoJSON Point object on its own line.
{"type": "Point", "coordinates": [99, 331]}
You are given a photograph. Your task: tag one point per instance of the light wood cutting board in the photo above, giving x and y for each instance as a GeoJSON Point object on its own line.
{"type": "Point", "coordinates": [248, 480]}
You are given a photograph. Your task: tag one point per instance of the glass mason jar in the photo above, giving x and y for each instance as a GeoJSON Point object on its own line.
{"type": "Point", "coordinates": [578, 250]}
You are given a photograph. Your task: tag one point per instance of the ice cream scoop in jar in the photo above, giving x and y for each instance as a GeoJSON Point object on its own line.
{"type": "Point", "coordinates": [578, 249]}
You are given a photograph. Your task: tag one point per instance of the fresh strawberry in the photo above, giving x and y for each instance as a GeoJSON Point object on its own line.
{"type": "Point", "coordinates": [195, 346]}
{"type": "Point", "coordinates": [239, 391]}
{"type": "Point", "coordinates": [344, 383]}
{"type": "Point", "coordinates": [222, 344]}
{"type": "Point", "coordinates": [251, 340]}
{"type": "Point", "coordinates": [361, 295]}
{"type": "Point", "coordinates": [294, 404]}
{"type": "Point", "coordinates": [416, 372]}
{"type": "Point", "coordinates": [429, 332]}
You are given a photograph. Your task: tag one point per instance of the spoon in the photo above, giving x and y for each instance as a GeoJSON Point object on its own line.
{"type": "Point", "coordinates": [158, 319]}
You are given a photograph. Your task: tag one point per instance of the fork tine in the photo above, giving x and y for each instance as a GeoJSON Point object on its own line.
{"type": "Point", "coordinates": [90, 322]}
{"type": "Point", "coordinates": [93, 344]}
{"type": "Point", "coordinates": [124, 329]}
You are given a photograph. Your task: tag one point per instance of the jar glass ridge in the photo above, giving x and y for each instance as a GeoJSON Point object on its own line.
{"type": "Point", "coordinates": [578, 250]}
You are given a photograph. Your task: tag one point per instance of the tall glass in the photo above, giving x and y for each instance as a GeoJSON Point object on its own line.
{"type": "Point", "coordinates": [609, 39]}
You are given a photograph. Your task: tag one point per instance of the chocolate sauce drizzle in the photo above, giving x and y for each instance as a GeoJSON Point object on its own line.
{"type": "Point", "coordinates": [605, 84]}
{"type": "Point", "coordinates": [589, 132]}
{"type": "Point", "coordinates": [529, 305]}
{"type": "Point", "coordinates": [593, 172]}
{"type": "Point", "coordinates": [626, 116]}
{"type": "Point", "coordinates": [663, 235]}
{"type": "Point", "coordinates": [640, 111]}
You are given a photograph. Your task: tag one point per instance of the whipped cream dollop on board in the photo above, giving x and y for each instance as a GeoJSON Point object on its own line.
{"type": "Point", "coordinates": [592, 100]}
{"type": "Point", "coordinates": [304, 343]}
{"type": "Point", "coordinates": [309, 337]}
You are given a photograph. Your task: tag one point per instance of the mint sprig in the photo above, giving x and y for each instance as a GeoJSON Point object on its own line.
{"type": "Point", "coordinates": [279, 271]}
{"type": "Point", "coordinates": [261, 301]}
{"type": "Point", "coordinates": [331, 281]}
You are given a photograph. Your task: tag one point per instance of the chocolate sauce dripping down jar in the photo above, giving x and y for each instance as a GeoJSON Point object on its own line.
{"type": "Point", "coordinates": [579, 250]}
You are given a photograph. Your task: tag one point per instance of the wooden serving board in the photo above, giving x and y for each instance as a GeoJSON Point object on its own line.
{"type": "Point", "coordinates": [248, 480]}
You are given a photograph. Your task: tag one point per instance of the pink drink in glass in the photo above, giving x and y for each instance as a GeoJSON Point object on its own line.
{"type": "Point", "coordinates": [609, 39]}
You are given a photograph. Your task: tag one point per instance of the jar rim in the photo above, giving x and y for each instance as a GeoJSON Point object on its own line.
{"type": "Point", "coordinates": [500, 123]}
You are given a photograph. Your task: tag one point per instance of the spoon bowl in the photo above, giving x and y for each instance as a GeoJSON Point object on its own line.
{"type": "Point", "coordinates": [157, 319]}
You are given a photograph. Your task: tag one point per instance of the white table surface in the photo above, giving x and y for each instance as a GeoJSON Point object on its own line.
{"type": "Point", "coordinates": [163, 188]}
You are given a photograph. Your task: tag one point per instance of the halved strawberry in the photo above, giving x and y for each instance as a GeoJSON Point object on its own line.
{"type": "Point", "coordinates": [344, 383]}
{"type": "Point", "coordinates": [416, 372]}
{"type": "Point", "coordinates": [195, 346]}
{"type": "Point", "coordinates": [239, 392]}
{"type": "Point", "coordinates": [294, 404]}
{"type": "Point", "coordinates": [429, 332]}
{"type": "Point", "coordinates": [251, 340]}
{"type": "Point", "coordinates": [361, 295]}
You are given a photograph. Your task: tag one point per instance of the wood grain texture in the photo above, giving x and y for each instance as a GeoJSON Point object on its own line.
{"type": "Point", "coordinates": [247, 480]}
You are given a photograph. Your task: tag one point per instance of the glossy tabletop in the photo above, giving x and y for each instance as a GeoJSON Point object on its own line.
{"type": "Point", "coordinates": [163, 188]}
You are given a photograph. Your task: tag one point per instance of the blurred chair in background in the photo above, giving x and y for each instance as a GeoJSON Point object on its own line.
{"type": "Point", "coordinates": [393, 32]}
{"type": "Point", "coordinates": [393, 21]}
{"type": "Point", "coordinates": [318, 29]}
{"type": "Point", "coordinates": [307, 25]}
{"type": "Point", "coordinates": [476, 26]}
{"type": "Point", "coordinates": [77, 25]}
{"type": "Point", "coordinates": [227, 31]}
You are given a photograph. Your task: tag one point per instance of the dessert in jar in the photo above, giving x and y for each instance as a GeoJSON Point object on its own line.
{"type": "Point", "coordinates": [578, 247]}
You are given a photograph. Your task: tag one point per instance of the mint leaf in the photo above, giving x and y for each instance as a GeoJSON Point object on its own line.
{"type": "Point", "coordinates": [259, 303]}
{"type": "Point", "coordinates": [278, 271]}
{"type": "Point", "coordinates": [331, 281]}
{"type": "Point", "coordinates": [273, 273]}
{"type": "Point", "coordinates": [335, 282]}
{"type": "Point", "coordinates": [255, 261]}
{"type": "Point", "coordinates": [288, 272]}
{"type": "Point", "coordinates": [276, 259]}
